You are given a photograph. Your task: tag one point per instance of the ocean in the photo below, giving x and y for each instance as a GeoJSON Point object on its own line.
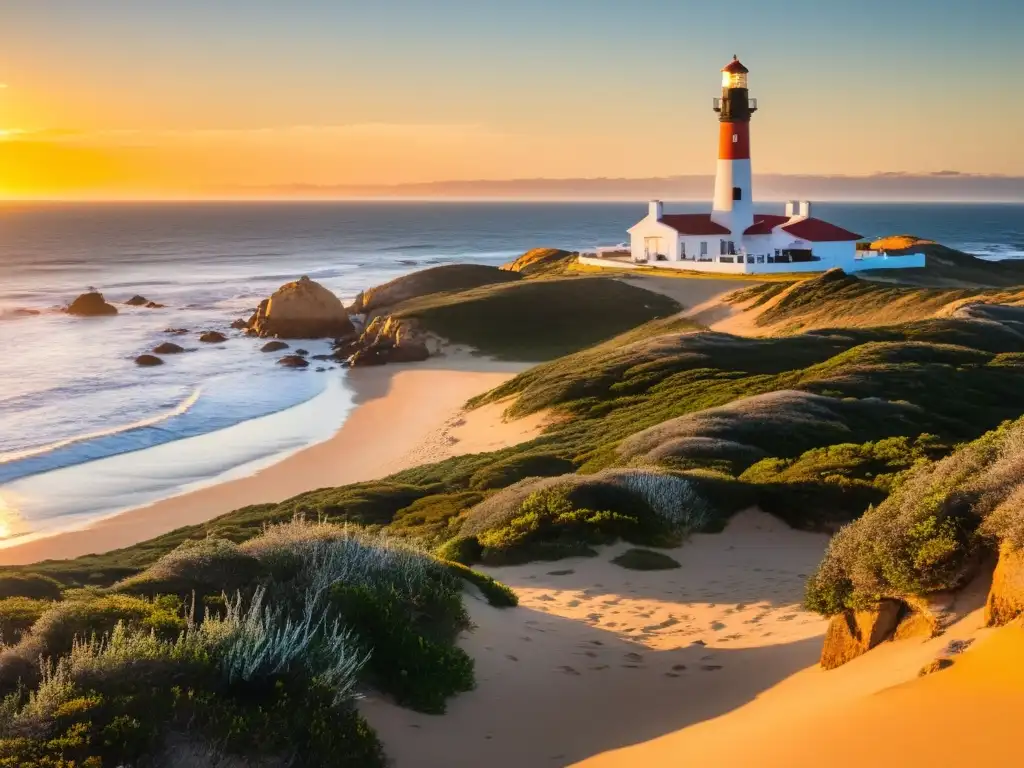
{"type": "Point", "coordinates": [85, 433]}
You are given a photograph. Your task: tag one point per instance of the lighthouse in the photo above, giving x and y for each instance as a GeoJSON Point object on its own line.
{"type": "Point", "coordinates": [733, 238]}
{"type": "Point", "coordinates": [734, 204]}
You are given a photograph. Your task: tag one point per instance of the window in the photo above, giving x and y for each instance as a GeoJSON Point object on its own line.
{"type": "Point", "coordinates": [722, 249]}
{"type": "Point", "coordinates": [735, 138]}
{"type": "Point", "coordinates": [682, 249]}
{"type": "Point", "coordinates": [703, 247]}
{"type": "Point", "coordinates": [731, 246]}
{"type": "Point", "coordinates": [737, 193]}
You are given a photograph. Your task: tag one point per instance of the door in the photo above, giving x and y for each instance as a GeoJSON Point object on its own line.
{"type": "Point", "coordinates": [652, 247]}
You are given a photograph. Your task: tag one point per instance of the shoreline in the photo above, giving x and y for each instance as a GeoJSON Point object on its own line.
{"type": "Point", "coordinates": [397, 409]}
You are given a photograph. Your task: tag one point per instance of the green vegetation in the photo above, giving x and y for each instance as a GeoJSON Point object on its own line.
{"type": "Point", "coordinates": [540, 262]}
{"type": "Point", "coordinates": [645, 560]}
{"type": "Point", "coordinates": [536, 319]}
{"type": "Point", "coordinates": [266, 668]}
{"type": "Point", "coordinates": [448, 278]}
{"type": "Point", "coordinates": [926, 535]}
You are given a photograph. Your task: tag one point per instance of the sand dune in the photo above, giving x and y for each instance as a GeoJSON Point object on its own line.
{"type": "Point", "coordinates": [598, 657]}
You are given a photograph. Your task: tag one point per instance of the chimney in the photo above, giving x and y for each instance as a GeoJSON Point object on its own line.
{"type": "Point", "coordinates": [655, 209]}
{"type": "Point", "coordinates": [805, 208]}
{"type": "Point", "coordinates": [790, 208]}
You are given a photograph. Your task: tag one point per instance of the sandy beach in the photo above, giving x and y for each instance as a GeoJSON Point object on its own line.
{"type": "Point", "coordinates": [405, 415]}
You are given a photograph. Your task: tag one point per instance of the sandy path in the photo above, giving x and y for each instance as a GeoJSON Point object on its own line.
{"type": "Point", "coordinates": [597, 657]}
{"type": "Point", "coordinates": [400, 415]}
{"type": "Point", "coordinates": [701, 298]}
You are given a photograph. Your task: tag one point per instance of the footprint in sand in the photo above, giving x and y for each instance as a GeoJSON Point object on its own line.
{"type": "Point", "coordinates": [545, 598]}
{"type": "Point", "coordinates": [612, 624]}
{"type": "Point", "coordinates": [678, 667]}
{"type": "Point", "coordinates": [526, 639]}
{"type": "Point", "coordinates": [788, 617]}
{"type": "Point", "coordinates": [568, 670]}
{"type": "Point", "coordinates": [672, 674]}
{"type": "Point", "coordinates": [633, 656]}
{"type": "Point", "coordinates": [590, 654]}
{"type": "Point", "coordinates": [717, 626]}
{"type": "Point", "coordinates": [599, 667]}
{"type": "Point", "coordinates": [572, 604]}
{"type": "Point", "coordinates": [510, 657]}
{"type": "Point", "coordinates": [566, 572]}
{"type": "Point", "coordinates": [736, 636]}
{"type": "Point", "coordinates": [596, 642]}
{"type": "Point", "coordinates": [711, 667]}
{"type": "Point", "coordinates": [632, 666]}
{"type": "Point", "coordinates": [594, 617]}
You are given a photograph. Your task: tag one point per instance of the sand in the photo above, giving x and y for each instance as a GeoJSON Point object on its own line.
{"type": "Point", "coordinates": [597, 657]}
{"type": "Point", "coordinates": [701, 298]}
{"type": "Point", "coordinates": [406, 415]}
{"type": "Point", "coordinates": [711, 664]}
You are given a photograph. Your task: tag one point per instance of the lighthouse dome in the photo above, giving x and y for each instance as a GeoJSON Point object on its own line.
{"type": "Point", "coordinates": [734, 74]}
{"type": "Point", "coordinates": [734, 67]}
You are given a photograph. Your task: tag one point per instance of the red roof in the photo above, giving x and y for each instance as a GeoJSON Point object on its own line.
{"type": "Point", "coordinates": [765, 223]}
{"type": "Point", "coordinates": [818, 231]}
{"type": "Point", "coordinates": [735, 68]}
{"type": "Point", "coordinates": [693, 224]}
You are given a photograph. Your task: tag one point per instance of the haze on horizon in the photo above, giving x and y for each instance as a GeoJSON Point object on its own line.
{"type": "Point", "coordinates": [223, 98]}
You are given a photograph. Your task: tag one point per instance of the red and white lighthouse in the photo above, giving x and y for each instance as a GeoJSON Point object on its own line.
{"type": "Point", "coordinates": [734, 204]}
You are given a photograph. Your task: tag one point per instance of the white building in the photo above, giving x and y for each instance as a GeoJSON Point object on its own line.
{"type": "Point", "coordinates": [732, 237]}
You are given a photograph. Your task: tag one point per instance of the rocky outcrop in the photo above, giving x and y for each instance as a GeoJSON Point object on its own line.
{"type": "Point", "coordinates": [137, 301]}
{"type": "Point", "coordinates": [91, 304]}
{"type": "Point", "coordinates": [148, 360]}
{"type": "Point", "coordinates": [212, 337]}
{"type": "Point", "coordinates": [1006, 596]}
{"type": "Point", "coordinates": [303, 309]}
{"type": "Point", "coordinates": [176, 331]}
{"type": "Point", "coordinates": [853, 633]}
{"type": "Point", "coordinates": [240, 324]}
{"type": "Point", "coordinates": [168, 348]}
{"type": "Point", "coordinates": [390, 340]}
{"type": "Point", "coordinates": [293, 361]}
{"type": "Point", "coordinates": [273, 346]}
{"type": "Point", "coordinates": [154, 305]}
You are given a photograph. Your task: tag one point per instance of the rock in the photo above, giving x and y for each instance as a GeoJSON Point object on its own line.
{"type": "Point", "coordinates": [365, 357]}
{"type": "Point", "coordinates": [408, 352]}
{"type": "Point", "coordinates": [1006, 596]}
{"type": "Point", "coordinates": [302, 309]}
{"type": "Point", "coordinates": [153, 305]}
{"type": "Point", "coordinates": [239, 324]}
{"type": "Point", "coordinates": [212, 337]}
{"type": "Point", "coordinates": [322, 357]}
{"type": "Point", "coordinates": [293, 361]}
{"type": "Point", "coordinates": [148, 360]}
{"type": "Point", "coordinates": [176, 331]}
{"type": "Point", "coordinates": [91, 304]}
{"type": "Point", "coordinates": [853, 633]}
{"type": "Point", "coordinates": [301, 352]}
{"type": "Point", "coordinates": [22, 312]}
{"type": "Point", "coordinates": [320, 369]}
{"type": "Point", "coordinates": [935, 665]}
{"type": "Point", "coordinates": [136, 301]}
{"type": "Point", "coordinates": [168, 348]}
{"type": "Point", "coordinates": [273, 346]}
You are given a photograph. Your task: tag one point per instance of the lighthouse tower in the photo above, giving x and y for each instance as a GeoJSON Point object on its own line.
{"type": "Point", "coordinates": [734, 205]}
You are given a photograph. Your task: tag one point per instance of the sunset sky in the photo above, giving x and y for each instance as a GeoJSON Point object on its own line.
{"type": "Point", "coordinates": [138, 98]}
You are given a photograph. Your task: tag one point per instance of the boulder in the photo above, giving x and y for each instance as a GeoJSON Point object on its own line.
{"type": "Point", "coordinates": [168, 348]}
{"type": "Point", "coordinates": [302, 352]}
{"type": "Point", "coordinates": [176, 331]}
{"type": "Point", "coordinates": [148, 360]}
{"type": "Point", "coordinates": [212, 337]}
{"type": "Point", "coordinates": [293, 361]}
{"type": "Point", "coordinates": [136, 301]}
{"type": "Point", "coordinates": [91, 304]}
{"type": "Point", "coordinates": [240, 324]}
{"type": "Point", "coordinates": [303, 309]}
{"type": "Point", "coordinates": [153, 305]}
{"type": "Point", "coordinates": [273, 346]}
{"type": "Point", "coordinates": [1006, 596]}
{"type": "Point", "coordinates": [853, 633]}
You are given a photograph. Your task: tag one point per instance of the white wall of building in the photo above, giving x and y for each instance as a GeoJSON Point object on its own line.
{"type": "Point", "coordinates": [909, 261]}
{"type": "Point", "coordinates": [649, 235]}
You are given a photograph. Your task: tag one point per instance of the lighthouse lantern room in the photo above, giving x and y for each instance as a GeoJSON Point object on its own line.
{"type": "Point", "coordinates": [733, 238]}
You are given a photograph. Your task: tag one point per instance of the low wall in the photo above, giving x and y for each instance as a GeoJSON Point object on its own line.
{"type": "Point", "coordinates": [780, 268]}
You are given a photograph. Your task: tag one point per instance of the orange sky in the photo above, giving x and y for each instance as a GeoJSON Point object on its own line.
{"type": "Point", "coordinates": [105, 99]}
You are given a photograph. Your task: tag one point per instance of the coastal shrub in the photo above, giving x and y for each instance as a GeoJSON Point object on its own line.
{"type": "Point", "coordinates": [515, 468]}
{"type": "Point", "coordinates": [672, 498]}
{"type": "Point", "coordinates": [645, 560]}
{"type": "Point", "coordinates": [17, 615]}
{"type": "Point", "coordinates": [434, 516]}
{"type": "Point", "coordinates": [924, 536]}
{"type": "Point", "coordinates": [203, 567]}
{"type": "Point", "coordinates": [705, 452]}
{"type": "Point", "coordinates": [460, 549]}
{"type": "Point", "coordinates": [419, 671]}
{"type": "Point", "coordinates": [498, 595]}
{"type": "Point", "coordinates": [31, 585]}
